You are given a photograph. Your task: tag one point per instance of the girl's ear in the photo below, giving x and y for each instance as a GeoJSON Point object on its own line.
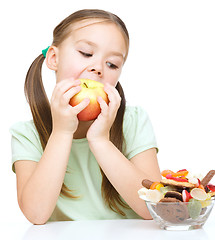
{"type": "Point", "coordinates": [52, 58]}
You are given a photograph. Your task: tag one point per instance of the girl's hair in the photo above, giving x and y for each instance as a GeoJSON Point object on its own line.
{"type": "Point", "coordinates": [40, 106]}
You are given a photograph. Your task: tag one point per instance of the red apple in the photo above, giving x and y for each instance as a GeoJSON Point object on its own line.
{"type": "Point", "coordinates": [89, 89]}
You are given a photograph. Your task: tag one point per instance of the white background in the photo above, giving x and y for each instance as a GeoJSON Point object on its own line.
{"type": "Point", "coordinates": [170, 71]}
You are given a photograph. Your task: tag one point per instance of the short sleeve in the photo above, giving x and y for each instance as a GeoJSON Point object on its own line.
{"type": "Point", "coordinates": [25, 142]}
{"type": "Point", "coordinates": [138, 132]}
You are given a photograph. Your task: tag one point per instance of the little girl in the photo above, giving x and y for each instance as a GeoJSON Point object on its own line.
{"type": "Point", "coordinates": [73, 170]}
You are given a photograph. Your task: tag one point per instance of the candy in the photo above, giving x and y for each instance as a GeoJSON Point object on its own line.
{"type": "Point", "coordinates": [166, 172]}
{"type": "Point", "coordinates": [194, 208]}
{"type": "Point", "coordinates": [174, 194]}
{"type": "Point", "coordinates": [154, 195]}
{"type": "Point", "coordinates": [201, 187]}
{"type": "Point", "coordinates": [180, 185]}
{"type": "Point", "coordinates": [207, 202]}
{"type": "Point", "coordinates": [142, 193]}
{"type": "Point", "coordinates": [198, 194]}
{"type": "Point", "coordinates": [177, 184]}
{"type": "Point", "coordinates": [194, 181]}
{"type": "Point", "coordinates": [180, 173]}
{"type": "Point", "coordinates": [147, 183]}
{"type": "Point", "coordinates": [211, 187]}
{"type": "Point", "coordinates": [159, 186]}
{"type": "Point", "coordinates": [167, 189]}
{"type": "Point", "coordinates": [154, 184]}
{"type": "Point", "coordinates": [182, 170]}
{"type": "Point", "coordinates": [169, 176]}
{"type": "Point", "coordinates": [207, 178]}
{"type": "Point", "coordinates": [186, 196]}
{"type": "Point", "coordinates": [179, 195]}
{"type": "Point", "coordinates": [212, 194]}
{"type": "Point", "coordinates": [150, 195]}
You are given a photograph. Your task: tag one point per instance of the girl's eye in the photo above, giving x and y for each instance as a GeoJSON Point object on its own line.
{"type": "Point", "coordinates": [111, 65]}
{"type": "Point", "coordinates": [86, 54]}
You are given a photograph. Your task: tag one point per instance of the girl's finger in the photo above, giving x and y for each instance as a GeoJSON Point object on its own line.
{"type": "Point", "coordinates": [63, 86]}
{"type": "Point", "coordinates": [103, 106]}
{"type": "Point", "coordinates": [69, 94]}
{"type": "Point", "coordinates": [82, 105]}
{"type": "Point", "coordinates": [114, 97]}
{"type": "Point", "coordinates": [112, 92]}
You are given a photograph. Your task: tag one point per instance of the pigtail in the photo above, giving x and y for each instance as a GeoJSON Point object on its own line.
{"type": "Point", "coordinates": [40, 107]}
{"type": "Point", "coordinates": [38, 101]}
{"type": "Point", "coordinates": [116, 133]}
{"type": "Point", "coordinates": [109, 193]}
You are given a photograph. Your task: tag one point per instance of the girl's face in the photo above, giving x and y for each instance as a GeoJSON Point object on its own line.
{"type": "Point", "coordinates": [95, 49]}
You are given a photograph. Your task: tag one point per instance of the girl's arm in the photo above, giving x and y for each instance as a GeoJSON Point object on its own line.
{"type": "Point", "coordinates": [39, 184]}
{"type": "Point", "coordinates": [125, 175]}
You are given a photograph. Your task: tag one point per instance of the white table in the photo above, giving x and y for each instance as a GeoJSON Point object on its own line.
{"type": "Point", "coordinates": [103, 230]}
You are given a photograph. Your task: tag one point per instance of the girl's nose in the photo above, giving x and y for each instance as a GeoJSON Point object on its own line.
{"type": "Point", "coordinates": [96, 71]}
{"type": "Point", "coordinates": [96, 68]}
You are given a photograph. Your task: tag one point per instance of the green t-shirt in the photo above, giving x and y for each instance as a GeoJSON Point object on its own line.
{"type": "Point", "coordinates": [83, 174]}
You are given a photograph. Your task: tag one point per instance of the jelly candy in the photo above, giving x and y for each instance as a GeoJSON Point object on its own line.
{"type": "Point", "coordinates": [198, 194]}
{"type": "Point", "coordinates": [194, 208]}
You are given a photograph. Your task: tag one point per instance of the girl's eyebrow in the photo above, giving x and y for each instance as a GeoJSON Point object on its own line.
{"type": "Point", "coordinates": [115, 53]}
{"type": "Point", "coordinates": [87, 42]}
{"type": "Point", "coordinates": [118, 54]}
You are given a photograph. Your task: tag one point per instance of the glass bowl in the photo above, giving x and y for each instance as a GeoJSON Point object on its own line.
{"type": "Point", "coordinates": [180, 215]}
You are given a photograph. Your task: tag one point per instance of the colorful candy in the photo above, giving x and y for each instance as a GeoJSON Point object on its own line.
{"type": "Point", "coordinates": [180, 186]}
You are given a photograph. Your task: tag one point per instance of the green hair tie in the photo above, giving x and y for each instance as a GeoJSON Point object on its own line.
{"type": "Point", "coordinates": [44, 51]}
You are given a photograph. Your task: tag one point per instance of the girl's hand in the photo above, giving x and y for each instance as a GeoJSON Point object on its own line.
{"type": "Point", "coordinates": [100, 128]}
{"type": "Point", "coordinates": [64, 116]}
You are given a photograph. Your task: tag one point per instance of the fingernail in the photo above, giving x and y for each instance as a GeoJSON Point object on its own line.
{"type": "Point", "coordinates": [78, 88]}
{"type": "Point", "coordinates": [77, 81]}
{"type": "Point", "coordinates": [99, 98]}
{"type": "Point", "coordinates": [105, 86]}
{"type": "Point", "coordinates": [87, 100]}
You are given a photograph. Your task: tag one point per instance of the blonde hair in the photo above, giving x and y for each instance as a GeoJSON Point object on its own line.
{"type": "Point", "coordinates": [40, 106]}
